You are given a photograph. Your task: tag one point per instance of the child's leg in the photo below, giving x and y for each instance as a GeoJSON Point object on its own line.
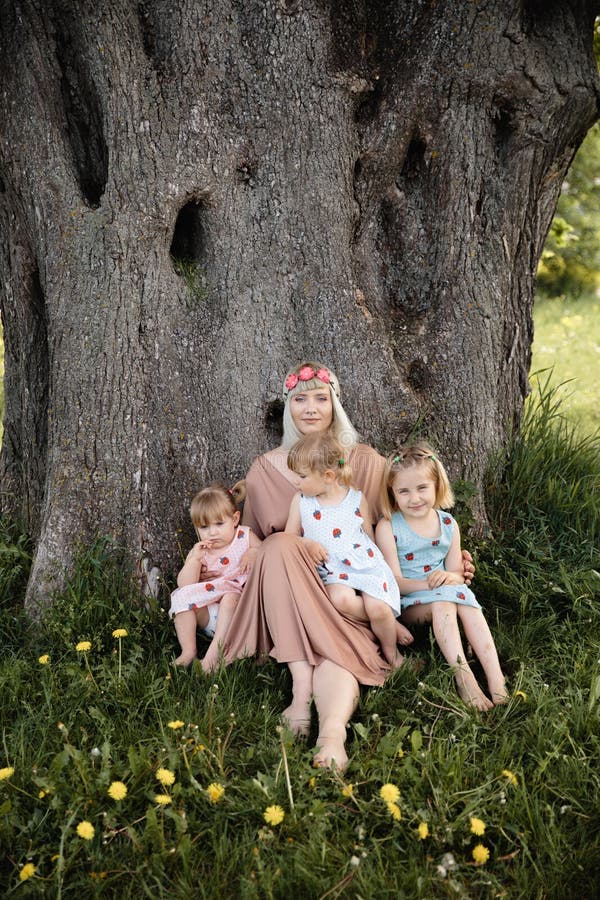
{"type": "Point", "coordinates": [444, 619]}
{"type": "Point", "coordinates": [227, 605]}
{"type": "Point", "coordinates": [186, 623]}
{"type": "Point", "coordinates": [383, 624]}
{"type": "Point", "coordinates": [347, 601]}
{"type": "Point", "coordinates": [480, 637]}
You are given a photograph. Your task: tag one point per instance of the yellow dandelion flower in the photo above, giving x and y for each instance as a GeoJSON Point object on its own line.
{"type": "Point", "coordinates": [273, 815]}
{"type": "Point", "coordinates": [522, 695]}
{"type": "Point", "coordinates": [120, 633]}
{"type": "Point", "coordinates": [8, 772]}
{"type": "Point", "coordinates": [511, 776]}
{"type": "Point", "coordinates": [423, 830]}
{"type": "Point", "coordinates": [44, 659]}
{"type": "Point", "coordinates": [394, 810]}
{"type": "Point", "coordinates": [27, 871]}
{"type": "Point", "coordinates": [163, 799]}
{"type": "Point", "coordinates": [311, 782]}
{"type": "Point", "coordinates": [477, 826]}
{"type": "Point", "coordinates": [215, 792]}
{"type": "Point", "coordinates": [165, 776]}
{"type": "Point", "coordinates": [117, 790]}
{"type": "Point", "coordinates": [389, 793]}
{"type": "Point", "coordinates": [42, 794]}
{"type": "Point", "coordinates": [83, 646]}
{"type": "Point", "coordinates": [175, 724]}
{"type": "Point", "coordinates": [480, 854]}
{"type": "Point", "coordinates": [348, 790]}
{"type": "Point", "coordinates": [86, 830]}
{"type": "Point", "coordinates": [399, 752]}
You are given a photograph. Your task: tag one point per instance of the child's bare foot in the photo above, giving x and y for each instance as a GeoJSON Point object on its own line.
{"type": "Point", "coordinates": [331, 747]}
{"type": "Point", "coordinates": [498, 692]}
{"type": "Point", "coordinates": [297, 718]}
{"type": "Point", "coordinates": [397, 661]}
{"type": "Point", "coordinates": [185, 659]}
{"type": "Point", "coordinates": [403, 635]}
{"type": "Point", "coordinates": [469, 690]}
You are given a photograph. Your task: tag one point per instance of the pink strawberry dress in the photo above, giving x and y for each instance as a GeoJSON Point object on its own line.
{"type": "Point", "coordinates": [354, 559]}
{"type": "Point", "coordinates": [418, 556]}
{"type": "Point", "coordinates": [228, 580]}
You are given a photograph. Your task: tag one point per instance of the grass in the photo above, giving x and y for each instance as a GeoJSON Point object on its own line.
{"type": "Point", "coordinates": [118, 712]}
{"type": "Point", "coordinates": [567, 341]}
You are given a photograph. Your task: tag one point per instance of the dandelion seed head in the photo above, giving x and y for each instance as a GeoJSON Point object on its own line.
{"type": "Point", "coordinates": [95, 752]}
{"type": "Point", "coordinates": [354, 861]}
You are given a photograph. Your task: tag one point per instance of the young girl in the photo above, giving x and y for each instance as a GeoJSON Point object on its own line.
{"type": "Point", "coordinates": [213, 574]}
{"type": "Point", "coordinates": [421, 544]}
{"type": "Point", "coordinates": [331, 513]}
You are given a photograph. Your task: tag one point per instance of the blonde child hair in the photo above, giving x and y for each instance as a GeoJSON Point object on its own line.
{"type": "Point", "coordinates": [320, 453]}
{"type": "Point", "coordinates": [310, 376]}
{"type": "Point", "coordinates": [417, 453]}
{"type": "Point", "coordinates": [212, 504]}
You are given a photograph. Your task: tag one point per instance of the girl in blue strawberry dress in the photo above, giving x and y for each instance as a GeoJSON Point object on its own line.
{"type": "Point", "coordinates": [421, 543]}
{"type": "Point", "coordinates": [332, 515]}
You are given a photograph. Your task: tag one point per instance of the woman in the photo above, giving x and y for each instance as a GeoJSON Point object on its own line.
{"type": "Point", "coordinates": [284, 610]}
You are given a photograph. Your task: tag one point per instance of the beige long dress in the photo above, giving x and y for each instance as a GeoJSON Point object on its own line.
{"type": "Point", "coordinates": [284, 610]}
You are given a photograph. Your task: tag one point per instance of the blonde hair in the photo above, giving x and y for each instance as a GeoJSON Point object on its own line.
{"type": "Point", "coordinates": [419, 454]}
{"type": "Point", "coordinates": [341, 427]}
{"type": "Point", "coordinates": [212, 504]}
{"type": "Point", "coordinates": [320, 453]}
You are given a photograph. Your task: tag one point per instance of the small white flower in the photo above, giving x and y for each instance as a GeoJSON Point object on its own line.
{"type": "Point", "coordinates": [95, 752]}
{"type": "Point", "coordinates": [354, 861]}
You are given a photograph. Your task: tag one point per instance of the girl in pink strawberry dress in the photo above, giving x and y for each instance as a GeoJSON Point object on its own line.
{"type": "Point", "coordinates": [213, 575]}
{"type": "Point", "coordinates": [421, 543]}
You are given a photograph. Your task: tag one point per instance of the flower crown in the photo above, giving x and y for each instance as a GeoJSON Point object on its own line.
{"type": "Point", "coordinates": [307, 373]}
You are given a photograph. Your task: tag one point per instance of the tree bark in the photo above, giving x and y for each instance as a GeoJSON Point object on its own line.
{"type": "Point", "coordinates": [195, 196]}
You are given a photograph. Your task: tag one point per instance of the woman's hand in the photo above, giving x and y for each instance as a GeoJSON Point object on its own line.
{"type": "Point", "coordinates": [468, 567]}
{"type": "Point", "coordinates": [316, 551]}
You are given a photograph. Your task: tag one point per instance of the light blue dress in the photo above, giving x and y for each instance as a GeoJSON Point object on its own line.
{"type": "Point", "coordinates": [418, 556]}
{"type": "Point", "coordinates": [354, 559]}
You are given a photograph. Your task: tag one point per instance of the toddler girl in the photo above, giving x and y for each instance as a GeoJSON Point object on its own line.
{"type": "Point", "coordinates": [331, 513]}
{"type": "Point", "coordinates": [421, 543]}
{"type": "Point", "coordinates": [213, 574]}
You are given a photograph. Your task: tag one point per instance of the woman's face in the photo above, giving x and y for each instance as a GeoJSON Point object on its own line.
{"type": "Point", "coordinates": [312, 411]}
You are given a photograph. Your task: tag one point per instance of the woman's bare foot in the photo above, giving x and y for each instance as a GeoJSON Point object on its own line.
{"type": "Point", "coordinates": [469, 690]}
{"type": "Point", "coordinates": [331, 749]}
{"type": "Point", "coordinates": [210, 661]}
{"type": "Point", "coordinates": [403, 635]}
{"type": "Point", "coordinates": [184, 659]}
{"type": "Point", "coordinates": [297, 718]}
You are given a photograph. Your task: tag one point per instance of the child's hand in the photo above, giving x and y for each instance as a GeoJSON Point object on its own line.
{"type": "Point", "coordinates": [316, 551]}
{"type": "Point", "coordinates": [197, 553]}
{"type": "Point", "coordinates": [439, 577]}
{"type": "Point", "coordinates": [248, 560]}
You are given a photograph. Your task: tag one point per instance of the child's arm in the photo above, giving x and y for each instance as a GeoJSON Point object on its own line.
{"type": "Point", "coordinates": [317, 552]}
{"type": "Point", "coordinates": [190, 572]}
{"type": "Point", "coordinates": [249, 557]}
{"type": "Point", "coordinates": [366, 524]}
{"type": "Point", "coordinates": [454, 570]}
{"type": "Point", "coordinates": [384, 537]}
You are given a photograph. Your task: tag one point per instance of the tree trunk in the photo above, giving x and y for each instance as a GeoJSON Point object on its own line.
{"type": "Point", "coordinates": [194, 196]}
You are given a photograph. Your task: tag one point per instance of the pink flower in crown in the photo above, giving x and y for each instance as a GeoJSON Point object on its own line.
{"type": "Point", "coordinates": [291, 381]}
{"type": "Point", "coordinates": [324, 375]}
{"type": "Point", "coordinates": [306, 373]}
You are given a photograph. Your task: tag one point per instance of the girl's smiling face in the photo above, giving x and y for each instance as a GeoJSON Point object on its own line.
{"type": "Point", "coordinates": [312, 411]}
{"type": "Point", "coordinates": [414, 491]}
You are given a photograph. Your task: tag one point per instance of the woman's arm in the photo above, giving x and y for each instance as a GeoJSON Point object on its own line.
{"type": "Point", "coordinates": [294, 521]}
